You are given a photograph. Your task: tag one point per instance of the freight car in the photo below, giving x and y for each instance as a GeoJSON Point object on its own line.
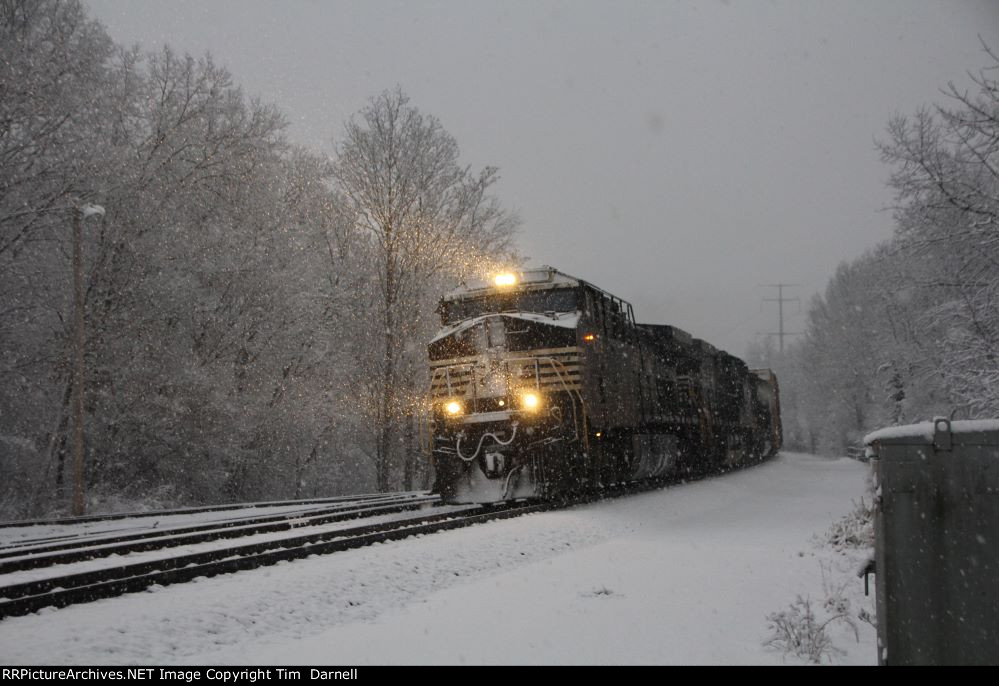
{"type": "Point", "coordinates": [543, 385]}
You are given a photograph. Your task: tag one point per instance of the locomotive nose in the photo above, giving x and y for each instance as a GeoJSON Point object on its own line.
{"type": "Point", "coordinates": [495, 382]}
{"type": "Point", "coordinates": [495, 333]}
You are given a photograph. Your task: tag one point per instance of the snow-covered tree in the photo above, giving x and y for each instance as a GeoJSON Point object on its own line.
{"type": "Point", "coordinates": [945, 164]}
{"type": "Point", "coordinates": [256, 314]}
{"type": "Point", "coordinates": [56, 67]}
{"type": "Point", "coordinates": [429, 221]}
{"type": "Point", "coordinates": [911, 330]}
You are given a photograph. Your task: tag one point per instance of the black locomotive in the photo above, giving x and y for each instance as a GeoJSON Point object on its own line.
{"type": "Point", "coordinates": [542, 385]}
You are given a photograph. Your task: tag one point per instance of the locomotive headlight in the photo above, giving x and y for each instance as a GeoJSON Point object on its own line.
{"type": "Point", "coordinates": [530, 401]}
{"type": "Point", "coordinates": [453, 408]}
{"type": "Point", "coordinates": [505, 279]}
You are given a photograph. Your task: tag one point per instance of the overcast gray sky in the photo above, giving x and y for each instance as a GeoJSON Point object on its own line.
{"type": "Point", "coordinates": [677, 154]}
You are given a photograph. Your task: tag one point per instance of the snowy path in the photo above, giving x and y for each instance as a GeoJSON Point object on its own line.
{"type": "Point", "coordinates": [683, 575]}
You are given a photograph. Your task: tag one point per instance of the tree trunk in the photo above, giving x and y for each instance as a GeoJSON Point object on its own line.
{"type": "Point", "coordinates": [408, 458]}
{"type": "Point", "coordinates": [384, 443]}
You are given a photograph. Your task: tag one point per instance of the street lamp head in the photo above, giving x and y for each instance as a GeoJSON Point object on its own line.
{"type": "Point", "coordinates": [89, 210]}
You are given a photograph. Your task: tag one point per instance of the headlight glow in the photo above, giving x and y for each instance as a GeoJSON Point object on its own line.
{"type": "Point", "coordinates": [453, 408]}
{"type": "Point", "coordinates": [505, 279]}
{"type": "Point", "coordinates": [530, 401]}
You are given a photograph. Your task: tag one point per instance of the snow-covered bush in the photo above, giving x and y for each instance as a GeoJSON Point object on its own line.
{"type": "Point", "coordinates": [853, 530]}
{"type": "Point", "coordinates": [798, 630]}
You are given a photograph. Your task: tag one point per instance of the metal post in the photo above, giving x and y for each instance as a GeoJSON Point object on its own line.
{"type": "Point", "coordinates": [78, 342]}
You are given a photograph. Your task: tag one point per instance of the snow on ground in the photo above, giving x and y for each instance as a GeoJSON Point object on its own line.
{"type": "Point", "coordinates": [686, 575]}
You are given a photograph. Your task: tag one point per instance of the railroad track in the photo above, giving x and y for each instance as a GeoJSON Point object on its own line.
{"type": "Point", "coordinates": [68, 589]}
{"type": "Point", "coordinates": [190, 510]}
{"type": "Point", "coordinates": [22, 557]}
{"type": "Point", "coordinates": [20, 598]}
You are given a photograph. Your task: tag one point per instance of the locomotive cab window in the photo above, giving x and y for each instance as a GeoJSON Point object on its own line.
{"type": "Point", "coordinates": [551, 300]}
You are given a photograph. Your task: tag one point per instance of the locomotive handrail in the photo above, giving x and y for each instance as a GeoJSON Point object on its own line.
{"type": "Point", "coordinates": [557, 368]}
{"type": "Point", "coordinates": [497, 439]}
{"type": "Point", "coordinates": [444, 373]}
{"type": "Point", "coordinates": [575, 420]}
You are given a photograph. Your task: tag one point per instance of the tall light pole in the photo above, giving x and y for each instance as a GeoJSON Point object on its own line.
{"type": "Point", "coordinates": [79, 214]}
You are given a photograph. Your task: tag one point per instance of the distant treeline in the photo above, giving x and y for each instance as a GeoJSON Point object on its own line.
{"type": "Point", "coordinates": [255, 312]}
{"type": "Point", "coordinates": [911, 329]}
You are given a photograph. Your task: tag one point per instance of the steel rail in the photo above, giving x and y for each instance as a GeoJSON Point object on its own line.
{"type": "Point", "coordinates": [24, 598]}
{"type": "Point", "coordinates": [79, 539]}
{"type": "Point", "coordinates": [53, 521]}
{"type": "Point", "coordinates": [78, 551]}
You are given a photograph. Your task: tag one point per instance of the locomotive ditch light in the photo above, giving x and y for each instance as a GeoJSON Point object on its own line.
{"type": "Point", "coordinates": [589, 337]}
{"type": "Point", "coordinates": [505, 279]}
{"type": "Point", "coordinates": [453, 408]}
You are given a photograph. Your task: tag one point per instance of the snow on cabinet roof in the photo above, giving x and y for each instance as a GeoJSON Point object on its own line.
{"type": "Point", "coordinates": [568, 320]}
{"type": "Point", "coordinates": [535, 279]}
{"type": "Point", "coordinates": [924, 431]}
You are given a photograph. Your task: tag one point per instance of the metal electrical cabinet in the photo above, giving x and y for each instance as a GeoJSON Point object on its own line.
{"type": "Point", "coordinates": [937, 542]}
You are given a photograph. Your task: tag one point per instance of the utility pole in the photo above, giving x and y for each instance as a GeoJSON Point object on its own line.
{"type": "Point", "coordinates": [780, 300]}
{"type": "Point", "coordinates": [79, 339]}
